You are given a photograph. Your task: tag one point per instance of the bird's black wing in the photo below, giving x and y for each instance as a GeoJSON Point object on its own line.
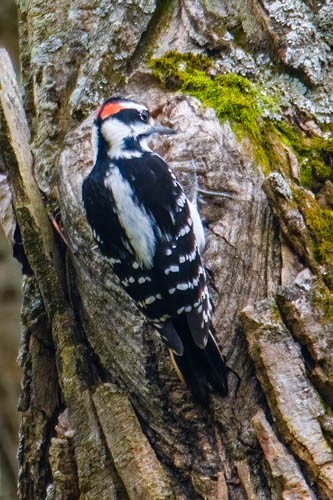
{"type": "Point", "coordinates": [177, 268]}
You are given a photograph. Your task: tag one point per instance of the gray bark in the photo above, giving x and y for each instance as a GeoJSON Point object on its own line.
{"type": "Point", "coordinates": [103, 413]}
{"type": "Point", "coordinates": [10, 298]}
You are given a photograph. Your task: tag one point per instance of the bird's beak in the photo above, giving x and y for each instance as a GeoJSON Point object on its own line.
{"type": "Point", "coordinates": [158, 129]}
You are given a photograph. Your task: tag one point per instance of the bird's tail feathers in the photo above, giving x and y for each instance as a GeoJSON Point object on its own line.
{"type": "Point", "coordinates": [203, 370]}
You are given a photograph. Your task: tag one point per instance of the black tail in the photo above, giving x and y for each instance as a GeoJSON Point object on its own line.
{"type": "Point", "coordinates": [203, 370]}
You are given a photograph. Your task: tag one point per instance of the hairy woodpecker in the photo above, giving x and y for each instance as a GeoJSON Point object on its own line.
{"type": "Point", "coordinates": [152, 236]}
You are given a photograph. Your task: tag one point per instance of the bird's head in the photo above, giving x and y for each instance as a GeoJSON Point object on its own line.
{"type": "Point", "coordinates": [122, 126]}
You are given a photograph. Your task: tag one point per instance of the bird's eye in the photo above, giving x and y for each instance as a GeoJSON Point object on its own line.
{"type": "Point", "coordinates": [144, 115]}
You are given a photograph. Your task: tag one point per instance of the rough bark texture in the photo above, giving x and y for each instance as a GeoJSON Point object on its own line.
{"type": "Point", "coordinates": [103, 413]}
{"type": "Point", "coordinates": [10, 298]}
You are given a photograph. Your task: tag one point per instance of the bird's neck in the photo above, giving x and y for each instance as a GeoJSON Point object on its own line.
{"type": "Point", "coordinates": [126, 148]}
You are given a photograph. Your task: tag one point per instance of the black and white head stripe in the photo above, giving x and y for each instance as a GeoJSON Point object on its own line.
{"type": "Point", "coordinates": [121, 127]}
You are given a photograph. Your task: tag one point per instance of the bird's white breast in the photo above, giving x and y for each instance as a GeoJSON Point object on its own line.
{"type": "Point", "coordinates": [136, 222]}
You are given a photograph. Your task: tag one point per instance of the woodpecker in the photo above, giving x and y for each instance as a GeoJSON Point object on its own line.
{"type": "Point", "coordinates": [153, 237]}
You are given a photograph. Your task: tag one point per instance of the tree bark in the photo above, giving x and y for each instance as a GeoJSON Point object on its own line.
{"type": "Point", "coordinates": [10, 298]}
{"type": "Point", "coordinates": [103, 413]}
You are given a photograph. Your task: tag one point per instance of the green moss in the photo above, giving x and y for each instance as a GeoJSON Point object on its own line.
{"type": "Point", "coordinates": [323, 299]}
{"type": "Point", "coordinates": [173, 66]}
{"type": "Point", "coordinates": [250, 111]}
{"type": "Point", "coordinates": [232, 96]}
{"type": "Point", "coordinates": [329, 193]}
{"type": "Point", "coordinates": [274, 145]}
{"type": "Point", "coordinates": [315, 155]}
{"type": "Point", "coordinates": [320, 224]}
{"type": "Point", "coordinates": [314, 173]}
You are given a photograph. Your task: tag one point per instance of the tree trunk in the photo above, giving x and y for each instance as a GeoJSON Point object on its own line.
{"type": "Point", "coordinates": [103, 413]}
{"type": "Point", "coordinates": [10, 298]}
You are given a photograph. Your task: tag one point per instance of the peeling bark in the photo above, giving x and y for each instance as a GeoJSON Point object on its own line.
{"type": "Point", "coordinates": [103, 413]}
